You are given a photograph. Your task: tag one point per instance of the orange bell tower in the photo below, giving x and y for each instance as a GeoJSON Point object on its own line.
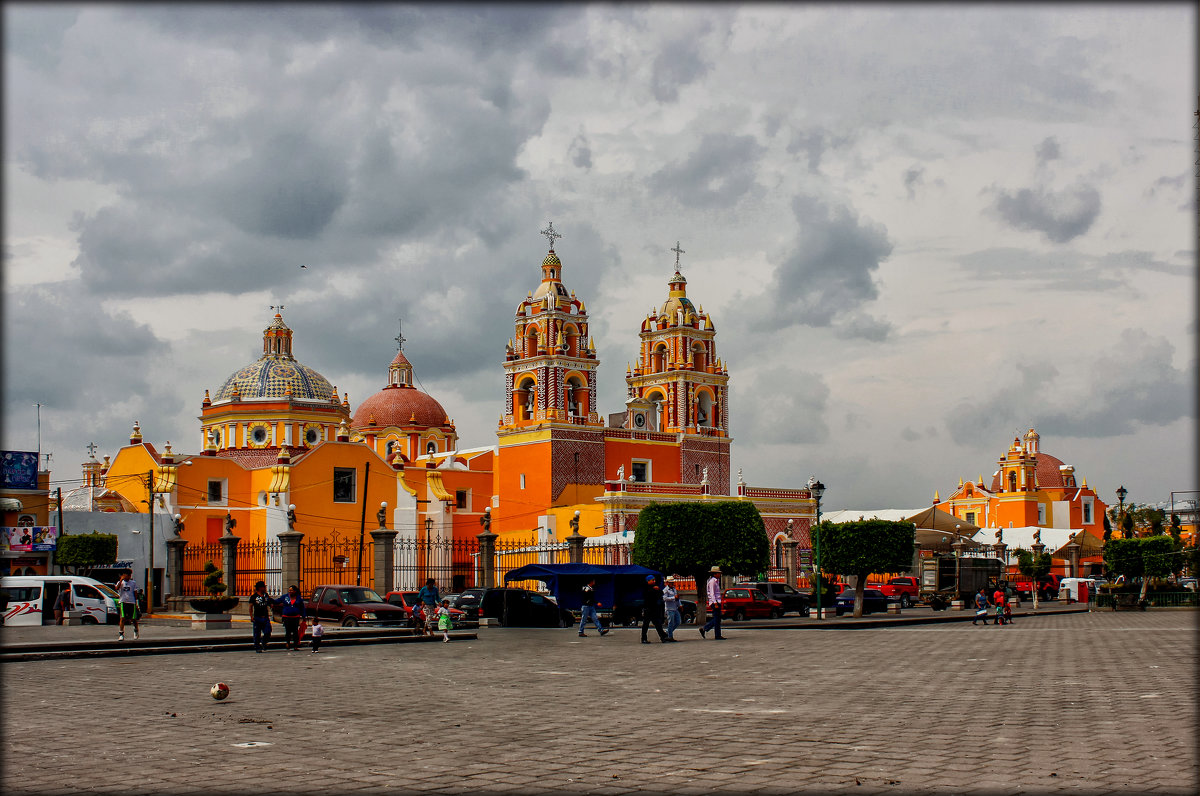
{"type": "Point", "coordinates": [680, 385]}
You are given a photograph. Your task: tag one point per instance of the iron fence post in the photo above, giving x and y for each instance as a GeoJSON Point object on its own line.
{"type": "Point", "coordinates": [229, 544]}
{"type": "Point", "coordinates": [289, 558]}
{"type": "Point", "coordinates": [175, 548]}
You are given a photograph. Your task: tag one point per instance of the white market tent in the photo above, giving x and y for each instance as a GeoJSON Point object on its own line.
{"type": "Point", "coordinates": [1022, 538]}
{"type": "Point", "coordinates": [853, 515]}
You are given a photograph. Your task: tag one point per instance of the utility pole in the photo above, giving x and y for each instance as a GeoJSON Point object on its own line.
{"type": "Point", "coordinates": [150, 555]}
{"type": "Point", "coordinates": [39, 433]}
{"type": "Point", "coordinates": [362, 528]}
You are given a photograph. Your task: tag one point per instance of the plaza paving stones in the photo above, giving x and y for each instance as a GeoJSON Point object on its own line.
{"type": "Point", "coordinates": [1081, 703]}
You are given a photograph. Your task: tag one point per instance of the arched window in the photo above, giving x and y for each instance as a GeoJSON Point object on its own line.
{"type": "Point", "coordinates": [660, 358]}
{"type": "Point", "coordinates": [657, 414]}
{"type": "Point", "coordinates": [576, 395]}
{"type": "Point", "coordinates": [524, 399]}
{"type": "Point", "coordinates": [704, 410]}
{"type": "Point", "coordinates": [779, 562]}
{"type": "Point", "coordinates": [1012, 480]}
{"type": "Point", "coordinates": [699, 359]}
{"type": "Point", "coordinates": [430, 448]}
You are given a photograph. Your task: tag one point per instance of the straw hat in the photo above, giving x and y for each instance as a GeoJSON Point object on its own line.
{"type": "Point", "coordinates": [716, 569]}
{"type": "Point", "coordinates": [670, 578]}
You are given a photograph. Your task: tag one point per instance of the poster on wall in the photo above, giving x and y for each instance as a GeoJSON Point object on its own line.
{"type": "Point", "coordinates": [19, 469]}
{"type": "Point", "coordinates": [31, 539]}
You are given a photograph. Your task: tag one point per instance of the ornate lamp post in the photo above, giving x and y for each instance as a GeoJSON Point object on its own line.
{"type": "Point", "coordinates": [1121, 493]}
{"type": "Point", "coordinates": [958, 546]}
{"type": "Point", "coordinates": [817, 489]}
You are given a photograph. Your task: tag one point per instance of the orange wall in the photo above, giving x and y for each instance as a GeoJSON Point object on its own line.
{"type": "Point", "coordinates": [664, 458]}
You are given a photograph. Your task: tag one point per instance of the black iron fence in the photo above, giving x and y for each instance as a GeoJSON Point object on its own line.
{"type": "Point", "coordinates": [195, 556]}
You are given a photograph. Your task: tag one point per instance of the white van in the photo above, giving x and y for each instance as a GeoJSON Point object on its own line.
{"type": "Point", "coordinates": [1080, 590]}
{"type": "Point", "coordinates": [31, 599]}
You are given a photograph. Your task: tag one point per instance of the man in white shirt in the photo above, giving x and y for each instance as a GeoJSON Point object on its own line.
{"type": "Point", "coordinates": [714, 605]}
{"type": "Point", "coordinates": [127, 590]}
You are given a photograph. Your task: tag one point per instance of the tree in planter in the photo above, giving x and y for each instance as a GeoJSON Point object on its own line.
{"type": "Point", "coordinates": [864, 548]}
{"type": "Point", "coordinates": [77, 552]}
{"type": "Point", "coordinates": [1176, 530]}
{"type": "Point", "coordinates": [690, 538]}
{"type": "Point", "coordinates": [1146, 558]}
{"type": "Point", "coordinates": [1108, 528]}
{"type": "Point", "coordinates": [215, 586]}
{"type": "Point", "coordinates": [1034, 567]}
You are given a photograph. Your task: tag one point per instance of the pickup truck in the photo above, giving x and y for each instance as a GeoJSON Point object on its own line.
{"type": "Point", "coordinates": [1048, 586]}
{"type": "Point", "coordinates": [906, 589]}
{"type": "Point", "coordinates": [350, 606]}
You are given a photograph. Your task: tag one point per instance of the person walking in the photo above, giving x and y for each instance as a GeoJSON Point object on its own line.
{"type": "Point", "coordinates": [318, 633]}
{"type": "Point", "coordinates": [981, 606]}
{"type": "Point", "coordinates": [999, 599]}
{"type": "Point", "coordinates": [652, 609]}
{"type": "Point", "coordinates": [292, 610]}
{"type": "Point", "coordinates": [62, 604]}
{"type": "Point", "coordinates": [713, 593]}
{"type": "Point", "coordinates": [127, 590]}
{"type": "Point", "coordinates": [444, 620]}
{"type": "Point", "coordinates": [260, 616]}
{"type": "Point", "coordinates": [430, 597]}
{"type": "Point", "coordinates": [671, 604]}
{"type": "Point", "coordinates": [418, 618]}
{"type": "Point", "coordinates": [587, 612]}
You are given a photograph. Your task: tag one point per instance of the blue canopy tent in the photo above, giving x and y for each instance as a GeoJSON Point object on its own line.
{"type": "Point", "coordinates": [616, 584]}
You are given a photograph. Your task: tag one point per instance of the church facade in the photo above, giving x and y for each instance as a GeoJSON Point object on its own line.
{"type": "Point", "coordinates": [276, 435]}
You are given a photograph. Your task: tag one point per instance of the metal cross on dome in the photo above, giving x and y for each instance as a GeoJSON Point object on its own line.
{"type": "Point", "coordinates": [277, 308]}
{"type": "Point", "coordinates": [400, 338]}
{"type": "Point", "coordinates": [550, 234]}
{"type": "Point", "coordinates": [678, 251]}
{"type": "Point", "coordinates": [91, 448]}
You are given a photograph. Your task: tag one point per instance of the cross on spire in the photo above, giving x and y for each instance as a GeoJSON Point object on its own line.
{"type": "Point", "coordinates": [400, 338]}
{"type": "Point", "coordinates": [678, 251]}
{"type": "Point", "coordinates": [91, 448]}
{"type": "Point", "coordinates": [277, 308]}
{"type": "Point", "coordinates": [550, 234]}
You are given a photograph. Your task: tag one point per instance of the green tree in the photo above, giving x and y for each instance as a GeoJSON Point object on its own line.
{"type": "Point", "coordinates": [690, 538]}
{"type": "Point", "coordinates": [864, 548]}
{"type": "Point", "coordinates": [1108, 528]}
{"type": "Point", "coordinates": [213, 578]}
{"type": "Point", "coordinates": [77, 552]}
{"type": "Point", "coordinates": [1034, 567]}
{"type": "Point", "coordinates": [1176, 529]}
{"type": "Point", "coordinates": [1145, 558]}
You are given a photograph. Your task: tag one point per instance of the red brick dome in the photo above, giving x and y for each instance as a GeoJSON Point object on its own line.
{"type": "Point", "coordinates": [398, 405]}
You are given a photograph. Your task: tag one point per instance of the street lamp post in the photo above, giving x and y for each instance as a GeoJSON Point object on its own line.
{"type": "Point", "coordinates": [958, 546]}
{"type": "Point", "coordinates": [817, 489]}
{"type": "Point", "coordinates": [1121, 493]}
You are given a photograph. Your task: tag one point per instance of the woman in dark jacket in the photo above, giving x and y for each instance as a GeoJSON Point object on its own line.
{"type": "Point", "coordinates": [293, 610]}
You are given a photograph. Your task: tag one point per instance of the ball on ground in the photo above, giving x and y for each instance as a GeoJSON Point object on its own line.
{"type": "Point", "coordinates": [219, 691]}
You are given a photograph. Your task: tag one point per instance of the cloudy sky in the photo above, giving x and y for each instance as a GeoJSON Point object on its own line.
{"type": "Point", "coordinates": [919, 230]}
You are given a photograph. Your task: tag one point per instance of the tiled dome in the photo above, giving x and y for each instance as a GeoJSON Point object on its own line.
{"type": "Point", "coordinates": [277, 374]}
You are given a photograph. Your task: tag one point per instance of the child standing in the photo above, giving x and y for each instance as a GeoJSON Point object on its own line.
{"type": "Point", "coordinates": [418, 619]}
{"type": "Point", "coordinates": [443, 618]}
{"type": "Point", "coordinates": [318, 633]}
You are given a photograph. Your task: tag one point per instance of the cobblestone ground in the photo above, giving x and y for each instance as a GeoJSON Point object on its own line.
{"type": "Point", "coordinates": [1092, 703]}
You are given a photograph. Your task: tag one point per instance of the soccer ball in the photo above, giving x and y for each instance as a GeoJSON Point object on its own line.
{"type": "Point", "coordinates": [219, 691]}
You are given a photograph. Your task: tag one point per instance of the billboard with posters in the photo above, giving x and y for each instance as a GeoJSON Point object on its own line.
{"type": "Point", "coordinates": [28, 539]}
{"type": "Point", "coordinates": [20, 469]}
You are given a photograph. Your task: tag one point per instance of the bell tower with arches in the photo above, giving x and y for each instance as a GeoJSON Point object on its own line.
{"type": "Point", "coordinates": [550, 435]}
{"type": "Point", "coordinates": [680, 386]}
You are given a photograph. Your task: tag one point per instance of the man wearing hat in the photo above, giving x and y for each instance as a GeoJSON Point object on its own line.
{"type": "Point", "coordinates": [714, 604]}
{"type": "Point", "coordinates": [671, 604]}
{"type": "Point", "coordinates": [652, 609]}
{"type": "Point", "coordinates": [260, 616]}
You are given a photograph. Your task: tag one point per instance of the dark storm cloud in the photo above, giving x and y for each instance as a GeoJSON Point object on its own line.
{"type": "Point", "coordinates": [814, 142]}
{"type": "Point", "coordinates": [36, 33]}
{"type": "Point", "coordinates": [580, 152]}
{"type": "Point", "coordinates": [1133, 384]}
{"type": "Point", "coordinates": [1059, 215]}
{"type": "Point", "coordinates": [788, 408]}
{"type": "Point", "coordinates": [63, 349]}
{"type": "Point", "coordinates": [679, 63]}
{"type": "Point", "coordinates": [1047, 151]}
{"type": "Point", "coordinates": [829, 273]}
{"type": "Point", "coordinates": [1067, 270]}
{"type": "Point", "coordinates": [717, 174]}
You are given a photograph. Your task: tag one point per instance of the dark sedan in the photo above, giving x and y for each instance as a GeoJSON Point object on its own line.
{"type": "Point", "coordinates": [792, 599]}
{"type": "Point", "coordinates": [873, 601]}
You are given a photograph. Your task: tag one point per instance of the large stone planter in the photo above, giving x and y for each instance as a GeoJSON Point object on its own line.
{"type": "Point", "coordinates": [211, 621]}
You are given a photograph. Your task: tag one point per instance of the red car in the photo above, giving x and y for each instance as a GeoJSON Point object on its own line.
{"type": "Point", "coordinates": [739, 604]}
{"type": "Point", "coordinates": [406, 600]}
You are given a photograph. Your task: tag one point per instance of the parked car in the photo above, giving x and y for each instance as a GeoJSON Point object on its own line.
{"type": "Point", "coordinates": [1187, 583]}
{"type": "Point", "coordinates": [518, 607]}
{"type": "Point", "coordinates": [739, 604]}
{"type": "Point", "coordinates": [350, 606]}
{"type": "Point", "coordinates": [873, 601]}
{"type": "Point", "coordinates": [905, 588]}
{"type": "Point", "coordinates": [407, 599]}
{"type": "Point", "coordinates": [630, 613]}
{"type": "Point", "coordinates": [792, 599]}
{"type": "Point", "coordinates": [467, 601]}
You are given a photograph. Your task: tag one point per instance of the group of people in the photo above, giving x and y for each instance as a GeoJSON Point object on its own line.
{"type": "Point", "coordinates": [998, 602]}
{"type": "Point", "coordinates": [658, 602]}
{"type": "Point", "coordinates": [428, 614]}
{"type": "Point", "coordinates": [293, 613]}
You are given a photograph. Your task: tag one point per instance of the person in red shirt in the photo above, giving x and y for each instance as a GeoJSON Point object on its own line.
{"type": "Point", "coordinates": [999, 599]}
